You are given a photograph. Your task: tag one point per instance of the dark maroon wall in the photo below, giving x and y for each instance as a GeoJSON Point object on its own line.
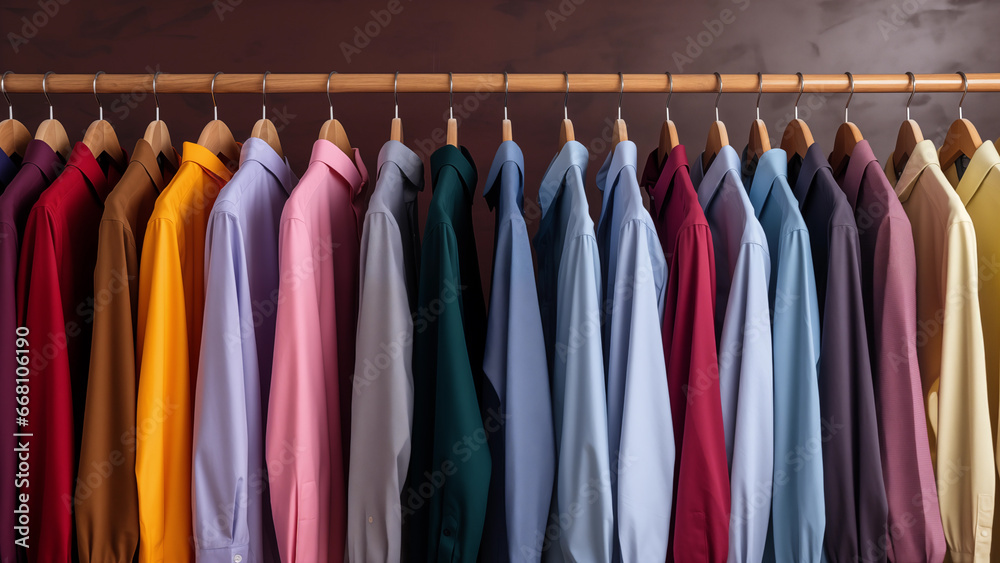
{"type": "Point", "coordinates": [579, 36]}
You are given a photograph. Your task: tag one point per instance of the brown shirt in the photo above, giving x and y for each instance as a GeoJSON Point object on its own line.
{"type": "Point", "coordinates": [107, 510]}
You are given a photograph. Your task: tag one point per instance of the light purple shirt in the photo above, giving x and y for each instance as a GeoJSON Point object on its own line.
{"type": "Point", "coordinates": [232, 513]}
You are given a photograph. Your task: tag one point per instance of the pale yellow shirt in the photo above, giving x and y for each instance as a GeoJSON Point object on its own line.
{"type": "Point", "coordinates": [951, 353]}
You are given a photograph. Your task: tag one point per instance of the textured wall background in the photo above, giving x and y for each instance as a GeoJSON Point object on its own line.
{"type": "Point", "coordinates": [579, 36]}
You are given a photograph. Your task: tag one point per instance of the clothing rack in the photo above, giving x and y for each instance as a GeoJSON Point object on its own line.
{"type": "Point", "coordinates": [490, 82]}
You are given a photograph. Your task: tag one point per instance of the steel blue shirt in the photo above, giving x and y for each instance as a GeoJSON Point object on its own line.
{"type": "Point", "coordinates": [798, 516]}
{"type": "Point", "coordinates": [743, 329]}
{"type": "Point", "coordinates": [569, 286]}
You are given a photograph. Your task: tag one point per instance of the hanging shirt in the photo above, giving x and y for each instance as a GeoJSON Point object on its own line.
{"type": "Point", "coordinates": [977, 183]}
{"type": "Point", "coordinates": [107, 506]}
{"type": "Point", "coordinates": [522, 444]}
{"type": "Point", "coordinates": [743, 331]}
{"type": "Point", "coordinates": [41, 165]}
{"type": "Point", "coordinates": [569, 294]}
{"type": "Point", "coordinates": [382, 401]}
{"type": "Point", "coordinates": [700, 522]}
{"type": "Point", "coordinates": [889, 286]}
{"type": "Point", "coordinates": [232, 508]}
{"type": "Point", "coordinates": [798, 517]}
{"type": "Point", "coordinates": [55, 279]}
{"type": "Point", "coordinates": [950, 352]}
{"type": "Point", "coordinates": [306, 453]}
{"type": "Point", "coordinates": [9, 165]}
{"type": "Point", "coordinates": [635, 280]}
{"type": "Point", "coordinates": [171, 304]}
{"type": "Point", "coordinates": [856, 509]}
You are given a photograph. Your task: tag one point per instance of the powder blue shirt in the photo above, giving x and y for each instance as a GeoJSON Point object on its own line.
{"type": "Point", "coordinates": [523, 452]}
{"type": "Point", "coordinates": [798, 507]}
{"type": "Point", "coordinates": [232, 514]}
{"type": "Point", "coordinates": [640, 426]}
{"type": "Point", "coordinates": [569, 291]}
{"type": "Point", "coordinates": [743, 329]}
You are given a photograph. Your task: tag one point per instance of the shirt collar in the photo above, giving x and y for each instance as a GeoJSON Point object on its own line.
{"type": "Point", "coordinates": [624, 156]}
{"type": "Point", "coordinates": [48, 162]}
{"type": "Point", "coordinates": [658, 181]}
{"type": "Point", "coordinates": [83, 160]}
{"type": "Point", "coordinates": [811, 165]}
{"type": "Point", "coordinates": [8, 168]}
{"type": "Point", "coordinates": [572, 154]}
{"type": "Point", "coordinates": [460, 160]}
{"type": "Point", "coordinates": [258, 150]}
{"type": "Point", "coordinates": [507, 152]}
{"type": "Point", "coordinates": [861, 157]}
{"type": "Point", "coordinates": [982, 161]}
{"type": "Point", "coordinates": [203, 157]}
{"type": "Point", "coordinates": [923, 155]}
{"type": "Point", "coordinates": [708, 181]}
{"type": "Point", "coordinates": [770, 166]}
{"type": "Point", "coordinates": [405, 160]}
{"type": "Point", "coordinates": [144, 156]}
{"type": "Point", "coordinates": [351, 170]}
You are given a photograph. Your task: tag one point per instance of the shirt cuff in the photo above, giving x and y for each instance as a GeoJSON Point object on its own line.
{"type": "Point", "coordinates": [230, 554]}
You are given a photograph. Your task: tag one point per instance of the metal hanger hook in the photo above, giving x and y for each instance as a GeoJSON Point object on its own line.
{"type": "Point", "coordinates": [100, 106]}
{"type": "Point", "coordinates": [3, 87]}
{"type": "Point", "coordinates": [621, 92]}
{"type": "Point", "coordinates": [719, 78]}
{"type": "Point", "coordinates": [215, 107]}
{"type": "Point", "coordinates": [395, 94]}
{"type": "Point", "coordinates": [506, 83]}
{"type": "Point", "coordinates": [328, 77]}
{"type": "Point", "coordinates": [850, 79]}
{"type": "Point", "coordinates": [566, 99]}
{"type": "Point", "coordinates": [965, 86]}
{"type": "Point", "coordinates": [802, 86]}
{"type": "Point", "coordinates": [670, 92]}
{"type": "Point", "coordinates": [760, 90]}
{"type": "Point", "coordinates": [156, 100]}
{"type": "Point", "coordinates": [451, 96]}
{"type": "Point", "coordinates": [263, 92]}
{"type": "Point", "coordinates": [913, 89]}
{"type": "Point", "coordinates": [45, 91]}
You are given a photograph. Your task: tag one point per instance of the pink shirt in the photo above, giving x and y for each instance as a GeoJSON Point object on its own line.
{"type": "Point", "coordinates": [308, 421]}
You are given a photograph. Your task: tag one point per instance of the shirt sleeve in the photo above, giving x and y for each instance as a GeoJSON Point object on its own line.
{"type": "Point", "coordinates": [50, 419]}
{"type": "Point", "coordinates": [799, 514]}
{"type": "Point", "coordinates": [221, 471]}
{"type": "Point", "coordinates": [747, 388]}
{"type": "Point", "coordinates": [107, 515]}
{"type": "Point", "coordinates": [701, 515]}
{"type": "Point", "coordinates": [382, 402]}
{"type": "Point", "coordinates": [645, 464]}
{"type": "Point", "coordinates": [958, 408]}
{"type": "Point", "coordinates": [304, 452]}
{"type": "Point", "coordinates": [163, 415]}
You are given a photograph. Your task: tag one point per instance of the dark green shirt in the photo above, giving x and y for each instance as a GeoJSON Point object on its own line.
{"type": "Point", "coordinates": [444, 502]}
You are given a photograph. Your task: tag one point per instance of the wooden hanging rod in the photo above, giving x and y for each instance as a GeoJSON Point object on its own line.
{"type": "Point", "coordinates": [494, 82]}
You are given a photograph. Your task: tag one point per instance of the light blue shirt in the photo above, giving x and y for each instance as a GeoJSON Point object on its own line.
{"type": "Point", "coordinates": [569, 291]}
{"type": "Point", "coordinates": [640, 426]}
{"type": "Point", "coordinates": [743, 329]}
{"type": "Point", "coordinates": [798, 514]}
{"type": "Point", "coordinates": [232, 511]}
{"type": "Point", "coordinates": [517, 369]}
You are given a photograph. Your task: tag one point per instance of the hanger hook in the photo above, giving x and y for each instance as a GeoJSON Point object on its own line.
{"type": "Point", "coordinates": [670, 92]}
{"type": "Point", "coordinates": [156, 100]}
{"type": "Point", "coordinates": [3, 87]}
{"type": "Point", "coordinates": [263, 92]}
{"type": "Point", "coordinates": [451, 96]}
{"type": "Point", "coordinates": [45, 91]}
{"type": "Point", "coordinates": [802, 86]}
{"type": "Point", "coordinates": [850, 79]}
{"type": "Point", "coordinates": [965, 86]}
{"type": "Point", "coordinates": [215, 108]}
{"type": "Point", "coordinates": [719, 78]}
{"type": "Point", "coordinates": [395, 94]}
{"type": "Point", "coordinates": [328, 77]}
{"type": "Point", "coordinates": [506, 83]}
{"type": "Point", "coordinates": [566, 99]}
{"type": "Point", "coordinates": [621, 92]}
{"type": "Point", "coordinates": [913, 89]}
{"type": "Point", "coordinates": [760, 90]}
{"type": "Point", "coordinates": [100, 106]}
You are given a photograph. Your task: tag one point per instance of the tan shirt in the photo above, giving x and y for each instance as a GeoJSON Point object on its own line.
{"type": "Point", "coordinates": [951, 353]}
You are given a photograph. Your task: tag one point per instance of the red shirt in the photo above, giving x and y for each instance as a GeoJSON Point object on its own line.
{"type": "Point", "coordinates": [700, 524]}
{"type": "Point", "coordinates": [55, 288]}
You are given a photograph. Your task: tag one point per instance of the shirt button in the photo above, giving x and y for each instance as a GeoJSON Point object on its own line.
{"type": "Point", "coordinates": [447, 532]}
{"type": "Point", "coordinates": [370, 519]}
{"type": "Point", "coordinates": [237, 558]}
{"type": "Point", "coordinates": [984, 533]}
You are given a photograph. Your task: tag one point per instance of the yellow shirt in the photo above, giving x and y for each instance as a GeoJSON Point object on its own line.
{"type": "Point", "coordinates": [171, 300]}
{"type": "Point", "coordinates": [951, 353]}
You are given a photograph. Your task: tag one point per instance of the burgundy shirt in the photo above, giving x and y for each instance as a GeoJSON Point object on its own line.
{"type": "Point", "coordinates": [55, 287]}
{"type": "Point", "coordinates": [699, 529]}
{"type": "Point", "coordinates": [889, 291]}
{"type": "Point", "coordinates": [41, 165]}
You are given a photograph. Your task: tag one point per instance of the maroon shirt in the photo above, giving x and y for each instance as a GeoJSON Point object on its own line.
{"type": "Point", "coordinates": [889, 289]}
{"type": "Point", "coordinates": [55, 287]}
{"type": "Point", "coordinates": [699, 529]}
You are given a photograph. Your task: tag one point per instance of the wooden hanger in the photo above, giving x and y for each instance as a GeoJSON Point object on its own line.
{"type": "Point", "coordinates": [848, 135]}
{"type": "Point", "coordinates": [216, 136]}
{"type": "Point", "coordinates": [100, 137]}
{"type": "Point", "coordinates": [962, 137]}
{"type": "Point", "coordinates": [619, 132]}
{"type": "Point", "coordinates": [909, 134]}
{"type": "Point", "coordinates": [333, 130]}
{"type": "Point", "coordinates": [508, 134]}
{"type": "Point", "coordinates": [396, 130]}
{"type": "Point", "coordinates": [14, 136]}
{"type": "Point", "coordinates": [566, 127]}
{"type": "Point", "coordinates": [717, 135]}
{"type": "Point", "coordinates": [264, 129]}
{"type": "Point", "coordinates": [759, 142]}
{"type": "Point", "coordinates": [668, 132]}
{"type": "Point", "coordinates": [797, 137]}
{"type": "Point", "coordinates": [158, 136]}
{"type": "Point", "coordinates": [51, 131]}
